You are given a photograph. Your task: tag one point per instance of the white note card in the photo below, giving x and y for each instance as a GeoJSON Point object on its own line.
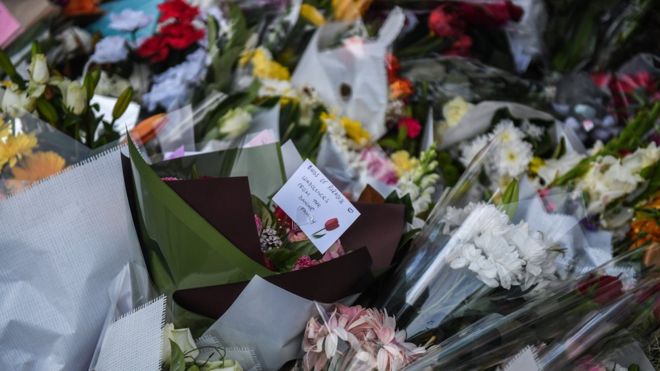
{"type": "Point", "coordinates": [316, 205]}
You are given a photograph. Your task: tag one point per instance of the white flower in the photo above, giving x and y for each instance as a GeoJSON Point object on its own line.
{"type": "Point", "coordinates": [182, 338]}
{"type": "Point", "coordinates": [500, 253]}
{"type": "Point", "coordinates": [39, 69]}
{"type": "Point", "coordinates": [235, 122]}
{"type": "Point", "coordinates": [15, 102]}
{"type": "Point", "coordinates": [276, 88]}
{"type": "Point", "coordinates": [129, 20]}
{"type": "Point", "coordinates": [111, 49]}
{"type": "Point", "coordinates": [454, 110]}
{"type": "Point", "coordinates": [532, 131]}
{"type": "Point", "coordinates": [554, 168]}
{"type": "Point", "coordinates": [513, 158]}
{"type": "Point", "coordinates": [75, 98]}
{"type": "Point", "coordinates": [507, 132]}
{"type": "Point", "coordinates": [470, 150]}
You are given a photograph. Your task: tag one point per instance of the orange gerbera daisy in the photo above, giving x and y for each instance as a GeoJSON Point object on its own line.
{"type": "Point", "coordinates": [36, 167]}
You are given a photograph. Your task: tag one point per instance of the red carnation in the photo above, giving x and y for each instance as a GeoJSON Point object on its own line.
{"type": "Point", "coordinates": [412, 125]}
{"type": "Point", "coordinates": [392, 64]}
{"type": "Point", "coordinates": [491, 15]}
{"type": "Point", "coordinates": [154, 48]}
{"type": "Point", "coordinates": [444, 21]}
{"type": "Point", "coordinates": [181, 35]}
{"type": "Point", "coordinates": [604, 288]}
{"type": "Point", "coordinates": [178, 10]}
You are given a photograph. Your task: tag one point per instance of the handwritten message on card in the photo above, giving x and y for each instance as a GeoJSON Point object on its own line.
{"type": "Point", "coordinates": [316, 205]}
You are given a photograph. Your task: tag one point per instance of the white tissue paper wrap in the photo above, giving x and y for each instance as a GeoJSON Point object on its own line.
{"type": "Point", "coordinates": [266, 318]}
{"type": "Point", "coordinates": [63, 241]}
{"type": "Point", "coordinates": [359, 64]}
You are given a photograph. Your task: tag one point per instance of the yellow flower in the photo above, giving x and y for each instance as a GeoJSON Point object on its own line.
{"type": "Point", "coordinates": [536, 164]}
{"type": "Point", "coordinates": [246, 55]}
{"type": "Point", "coordinates": [349, 10]}
{"type": "Point", "coordinates": [36, 167]}
{"type": "Point", "coordinates": [403, 162]}
{"type": "Point", "coordinates": [264, 67]}
{"type": "Point", "coordinates": [454, 110]}
{"type": "Point", "coordinates": [4, 129]}
{"type": "Point", "coordinates": [355, 131]}
{"type": "Point", "coordinates": [14, 148]}
{"type": "Point", "coordinates": [312, 14]}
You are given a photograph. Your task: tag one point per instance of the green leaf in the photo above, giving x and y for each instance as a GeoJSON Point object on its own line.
{"type": "Point", "coordinates": [284, 258]}
{"type": "Point", "coordinates": [47, 111]}
{"type": "Point", "coordinates": [177, 361]}
{"type": "Point", "coordinates": [560, 149]}
{"type": "Point", "coordinates": [36, 48]}
{"type": "Point", "coordinates": [403, 133]}
{"type": "Point", "coordinates": [510, 199]}
{"type": "Point", "coordinates": [389, 143]}
{"type": "Point", "coordinates": [122, 103]}
{"type": "Point", "coordinates": [91, 80]}
{"type": "Point", "coordinates": [193, 368]}
{"type": "Point", "coordinates": [7, 66]}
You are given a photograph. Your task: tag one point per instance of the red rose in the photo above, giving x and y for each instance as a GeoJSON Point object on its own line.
{"type": "Point", "coordinates": [178, 10]}
{"type": "Point", "coordinates": [491, 15]}
{"type": "Point", "coordinates": [412, 125]}
{"type": "Point", "coordinates": [181, 35]}
{"type": "Point", "coordinates": [604, 288]}
{"type": "Point", "coordinates": [282, 217]}
{"type": "Point", "coordinates": [461, 47]}
{"type": "Point", "coordinates": [154, 48]}
{"type": "Point", "coordinates": [331, 224]}
{"type": "Point", "coordinates": [444, 21]}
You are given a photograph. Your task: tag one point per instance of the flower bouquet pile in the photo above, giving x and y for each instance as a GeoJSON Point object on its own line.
{"type": "Point", "coordinates": [329, 185]}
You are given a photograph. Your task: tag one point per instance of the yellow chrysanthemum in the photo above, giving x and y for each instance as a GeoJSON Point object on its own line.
{"type": "Point", "coordinates": [403, 162]}
{"type": "Point", "coordinates": [36, 167]}
{"type": "Point", "coordinates": [349, 10]}
{"type": "Point", "coordinates": [14, 148]}
{"type": "Point", "coordinates": [355, 131]}
{"type": "Point", "coordinates": [536, 164]}
{"type": "Point", "coordinates": [312, 14]}
{"type": "Point", "coordinates": [264, 67]}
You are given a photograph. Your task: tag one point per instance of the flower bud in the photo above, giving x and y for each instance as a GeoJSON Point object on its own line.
{"type": "Point", "coordinates": [76, 98]}
{"type": "Point", "coordinates": [39, 69]}
{"type": "Point", "coordinates": [235, 122]}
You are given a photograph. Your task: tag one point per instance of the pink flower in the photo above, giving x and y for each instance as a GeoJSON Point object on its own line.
{"type": "Point", "coordinates": [304, 262]}
{"type": "Point", "coordinates": [414, 128]}
{"type": "Point", "coordinates": [257, 221]}
{"type": "Point", "coordinates": [379, 165]}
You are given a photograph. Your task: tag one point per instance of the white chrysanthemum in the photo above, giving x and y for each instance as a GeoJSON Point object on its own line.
{"type": "Point", "coordinates": [498, 252]}
{"type": "Point", "coordinates": [470, 150]}
{"type": "Point", "coordinates": [507, 132]}
{"type": "Point", "coordinates": [513, 158]}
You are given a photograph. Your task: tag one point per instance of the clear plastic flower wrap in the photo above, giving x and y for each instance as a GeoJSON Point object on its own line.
{"type": "Point", "coordinates": [32, 150]}
{"type": "Point", "coordinates": [564, 307]}
{"type": "Point", "coordinates": [482, 257]}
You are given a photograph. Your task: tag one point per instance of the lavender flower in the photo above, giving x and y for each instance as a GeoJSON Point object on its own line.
{"type": "Point", "coordinates": [111, 49]}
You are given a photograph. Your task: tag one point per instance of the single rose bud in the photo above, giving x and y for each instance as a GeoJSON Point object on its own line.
{"type": "Point", "coordinates": [235, 122]}
{"type": "Point", "coordinates": [76, 98]}
{"type": "Point", "coordinates": [39, 69]}
{"type": "Point", "coordinates": [331, 224]}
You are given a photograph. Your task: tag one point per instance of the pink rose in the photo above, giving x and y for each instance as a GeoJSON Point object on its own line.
{"type": "Point", "coordinates": [379, 165]}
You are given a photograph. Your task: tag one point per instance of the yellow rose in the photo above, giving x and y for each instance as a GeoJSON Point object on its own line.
{"type": "Point", "coordinates": [454, 110]}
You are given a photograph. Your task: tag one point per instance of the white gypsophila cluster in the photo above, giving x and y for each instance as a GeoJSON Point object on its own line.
{"type": "Point", "coordinates": [419, 183]}
{"type": "Point", "coordinates": [531, 130]}
{"type": "Point", "coordinates": [610, 178]}
{"type": "Point", "coordinates": [499, 252]}
{"type": "Point", "coordinates": [269, 239]}
{"type": "Point", "coordinates": [511, 154]}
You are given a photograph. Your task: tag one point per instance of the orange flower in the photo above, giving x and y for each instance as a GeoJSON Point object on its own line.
{"type": "Point", "coordinates": [146, 130]}
{"type": "Point", "coordinates": [36, 167]}
{"type": "Point", "coordinates": [349, 10]}
{"type": "Point", "coordinates": [400, 88]}
{"type": "Point", "coordinates": [645, 230]}
{"type": "Point", "coordinates": [78, 8]}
